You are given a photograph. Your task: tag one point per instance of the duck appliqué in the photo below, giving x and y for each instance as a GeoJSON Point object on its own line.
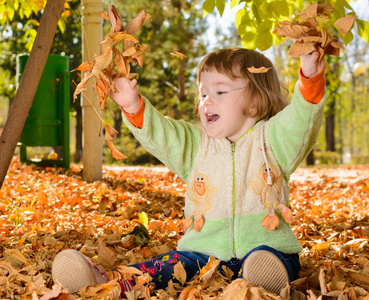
{"type": "Point", "coordinates": [270, 193]}
{"type": "Point", "coordinates": [201, 194]}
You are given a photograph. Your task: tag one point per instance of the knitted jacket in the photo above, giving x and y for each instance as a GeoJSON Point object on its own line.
{"type": "Point", "coordinates": [228, 191]}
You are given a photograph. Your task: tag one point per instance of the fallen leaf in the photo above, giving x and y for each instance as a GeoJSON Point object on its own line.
{"type": "Point", "coordinates": [107, 258]}
{"type": "Point", "coordinates": [180, 272]}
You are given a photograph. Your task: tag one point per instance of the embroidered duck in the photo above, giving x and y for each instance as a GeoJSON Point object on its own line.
{"type": "Point", "coordinates": [201, 195]}
{"type": "Point", "coordinates": [270, 193]}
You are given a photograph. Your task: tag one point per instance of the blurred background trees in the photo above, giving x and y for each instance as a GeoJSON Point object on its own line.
{"type": "Point", "coordinates": [170, 83]}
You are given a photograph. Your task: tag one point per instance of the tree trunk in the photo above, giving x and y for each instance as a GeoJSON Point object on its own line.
{"type": "Point", "coordinates": [28, 85]}
{"type": "Point", "coordinates": [329, 130]}
{"type": "Point", "coordinates": [118, 124]}
{"type": "Point", "coordinates": [310, 159]}
{"type": "Point", "coordinates": [182, 81]}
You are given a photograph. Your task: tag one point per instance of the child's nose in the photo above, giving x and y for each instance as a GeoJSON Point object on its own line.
{"type": "Point", "coordinates": [208, 101]}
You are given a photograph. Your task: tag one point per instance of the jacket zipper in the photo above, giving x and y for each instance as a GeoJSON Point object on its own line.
{"type": "Point", "coordinates": [234, 198]}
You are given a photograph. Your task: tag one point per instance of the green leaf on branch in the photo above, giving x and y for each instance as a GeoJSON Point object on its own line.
{"type": "Point", "coordinates": [220, 4]}
{"type": "Point", "coordinates": [363, 29]}
{"type": "Point", "coordinates": [208, 7]}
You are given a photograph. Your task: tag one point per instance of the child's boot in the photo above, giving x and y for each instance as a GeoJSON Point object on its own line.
{"type": "Point", "coordinates": [263, 268]}
{"type": "Point", "coordinates": [75, 271]}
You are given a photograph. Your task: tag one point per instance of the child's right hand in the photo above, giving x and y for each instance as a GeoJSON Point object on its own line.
{"type": "Point", "coordinates": [127, 96]}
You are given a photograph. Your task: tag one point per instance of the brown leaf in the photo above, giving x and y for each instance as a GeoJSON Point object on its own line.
{"type": "Point", "coordinates": [208, 272]}
{"type": "Point", "coordinates": [297, 49]}
{"type": "Point", "coordinates": [103, 61]}
{"type": "Point", "coordinates": [115, 20]}
{"type": "Point", "coordinates": [135, 25]}
{"type": "Point", "coordinates": [180, 273]}
{"type": "Point", "coordinates": [345, 24]}
{"type": "Point", "coordinates": [291, 30]}
{"type": "Point", "coordinates": [309, 13]}
{"type": "Point", "coordinates": [110, 133]}
{"type": "Point", "coordinates": [258, 70]}
{"type": "Point", "coordinates": [139, 56]}
{"type": "Point", "coordinates": [121, 63]}
{"type": "Point", "coordinates": [107, 258]}
{"type": "Point", "coordinates": [122, 36]}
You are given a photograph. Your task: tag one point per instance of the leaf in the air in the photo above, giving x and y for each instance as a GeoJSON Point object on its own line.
{"type": "Point", "coordinates": [135, 24]}
{"type": "Point", "coordinates": [345, 24]}
{"type": "Point", "coordinates": [84, 67]}
{"type": "Point", "coordinates": [178, 54]}
{"type": "Point", "coordinates": [114, 151]}
{"type": "Point", "coordinates": [258, 70]}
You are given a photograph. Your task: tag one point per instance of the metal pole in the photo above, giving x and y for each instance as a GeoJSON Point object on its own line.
{"type": "Point", "coordinates": [92, 137]}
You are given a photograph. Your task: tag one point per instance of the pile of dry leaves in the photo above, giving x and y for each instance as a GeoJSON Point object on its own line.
{"type": "Point", "coordinates": [134, 214]}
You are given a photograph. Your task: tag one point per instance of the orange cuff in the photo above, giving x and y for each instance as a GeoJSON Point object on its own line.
{"type": "Point", "coordinates": [312, 89]}
{"type": "Point", "coordinates": [136, 119]}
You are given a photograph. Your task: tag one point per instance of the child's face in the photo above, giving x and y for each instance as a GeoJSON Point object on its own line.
{"type": "Point", "coordinates": [222, 104]}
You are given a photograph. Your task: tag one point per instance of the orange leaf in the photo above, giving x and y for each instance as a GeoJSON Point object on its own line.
{"type": "Point", "coordinates": [178, 54]}
{"type": "Point", "coordinates": [86, 66]}
{"type": "Point", "coordinates": [115, 152]}
{"type": "Point", "coordinates": [258, 70]}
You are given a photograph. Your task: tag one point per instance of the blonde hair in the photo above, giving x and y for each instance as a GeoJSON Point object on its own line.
{"type": "Point", "coordinates": [264, 90]}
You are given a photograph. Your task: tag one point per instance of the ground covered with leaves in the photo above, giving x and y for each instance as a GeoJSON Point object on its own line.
{"type": "Point", "coordinates": [45, 210]}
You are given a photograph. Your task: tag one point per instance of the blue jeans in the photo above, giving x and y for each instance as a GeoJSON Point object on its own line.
{"type": "Point", "coordinates": [161, 267]}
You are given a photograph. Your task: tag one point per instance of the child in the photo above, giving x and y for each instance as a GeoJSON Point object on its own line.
{"type": "Point", "coordinates": [236, 165]}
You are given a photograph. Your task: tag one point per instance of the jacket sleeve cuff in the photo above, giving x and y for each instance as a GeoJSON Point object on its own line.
{"type": "Point", "coordinates": [136, 119]}
{"type": "Point", "coordinates": [312, 89]}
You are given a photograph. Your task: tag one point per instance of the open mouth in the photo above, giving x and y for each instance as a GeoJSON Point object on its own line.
{"type": "Point", "coordinates": [212, 117]}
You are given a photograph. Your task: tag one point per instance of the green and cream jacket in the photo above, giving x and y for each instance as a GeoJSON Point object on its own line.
{"type": "Point", "coordinates": [227, 183]}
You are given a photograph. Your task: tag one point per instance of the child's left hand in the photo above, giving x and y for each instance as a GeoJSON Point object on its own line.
{"type": "Point", "coordinates": [310, 65]}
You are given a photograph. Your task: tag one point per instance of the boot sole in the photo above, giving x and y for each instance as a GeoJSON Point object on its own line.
{"type": "Point", "coordinates": [263, 268]}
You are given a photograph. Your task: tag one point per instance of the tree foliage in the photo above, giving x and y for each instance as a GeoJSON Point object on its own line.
{"type": "Point", "coordinates": [23, 13]}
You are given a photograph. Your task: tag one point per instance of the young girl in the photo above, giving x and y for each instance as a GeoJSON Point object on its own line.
{"type": "Point", "coordinates": [236, 165]}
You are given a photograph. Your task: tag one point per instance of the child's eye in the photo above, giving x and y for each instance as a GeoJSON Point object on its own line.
{"type": "Point", "coordinates": [202, 96]}
{"type": "Point", "coordinates": [221, 93]}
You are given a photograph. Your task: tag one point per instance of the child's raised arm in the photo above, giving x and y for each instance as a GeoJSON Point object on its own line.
{"type": "Point", "coordinates": [127, 96]}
